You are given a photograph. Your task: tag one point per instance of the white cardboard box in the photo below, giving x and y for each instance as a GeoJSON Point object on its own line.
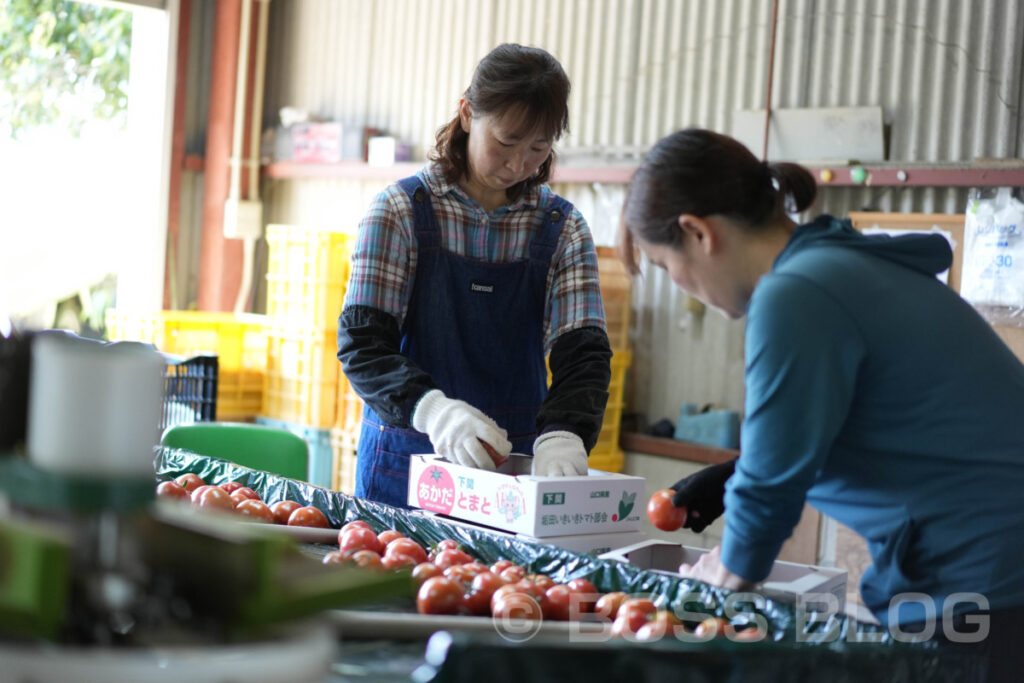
{"type": "Point", "coordinates": [589, 544]}
{"type": "Point", "coordinates": [802, 585]}
{"type": "Point", "coordinates": [513, 500]}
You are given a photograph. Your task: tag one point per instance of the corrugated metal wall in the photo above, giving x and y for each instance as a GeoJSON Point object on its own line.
{"type": "Point", "coordinates": [947, 75]}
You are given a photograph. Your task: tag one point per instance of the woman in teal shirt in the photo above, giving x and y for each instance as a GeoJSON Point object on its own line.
{"type": "Point", "coordinates": [873, 391]}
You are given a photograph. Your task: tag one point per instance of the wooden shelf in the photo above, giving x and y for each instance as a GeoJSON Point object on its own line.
{"type": "Point", "coordinates": [888, 174]}
{"type": "Point", "coordinates": [670, 448]}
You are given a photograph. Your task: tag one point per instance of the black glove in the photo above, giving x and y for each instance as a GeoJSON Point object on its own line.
{"type": "Point", "coordinates": [703, 494]}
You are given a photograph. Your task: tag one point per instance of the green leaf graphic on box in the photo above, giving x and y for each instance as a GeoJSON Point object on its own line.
{"type": "Point", "coordinates": [626, 504]}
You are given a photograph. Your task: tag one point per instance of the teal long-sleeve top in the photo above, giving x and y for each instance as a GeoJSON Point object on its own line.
{"type": "Point", "coordinates": [879, 396]}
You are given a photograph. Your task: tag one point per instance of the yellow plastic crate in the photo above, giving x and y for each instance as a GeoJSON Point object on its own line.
{"type": "Point", "coordinates": [238, 340]}
{"type": "Point", "coordinates": [621, 361]}
{"type": "Point", "coordinates": [343, 448]}
{"type": "Point", "coordinates": [239, 395]}
{"type": "Point", "coordinates": [613, 461]}
{"type": "Point", "coordinates": [307, 274]}
{"type": "Point", "coordinates": [302, 376]}
{"type": "Point", "coordinates": [350, 407]}
{"type": "Point", "coordinates": [616, 294]}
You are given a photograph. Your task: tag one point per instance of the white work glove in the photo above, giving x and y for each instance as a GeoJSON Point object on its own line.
{"type": "Point", "coordinates": [456, 430]}
{"type": "Point", "coordinates": [559, 454]}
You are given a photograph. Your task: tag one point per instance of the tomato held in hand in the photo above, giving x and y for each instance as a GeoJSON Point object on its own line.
{"type": "Point", "coordinates": [172, 490]}
{"type": "Point", "coordinates": [283, 509]}
{"type": "Point", "coordinates": [497, 458]}
{"type": "Point", "coordinates": [255, 511]}
{"type": "Point", "coordinates": [439, 595]}
{"type": "Point", "coordinates": [662, 513]}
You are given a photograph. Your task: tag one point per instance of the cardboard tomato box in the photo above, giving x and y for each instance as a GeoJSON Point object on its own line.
{"type": "Point", "coordinates": [513, 500]}
{"type": "Point", "coordinates": [588, 544]}
{"type": "Point", "coordinates": [803, 585]}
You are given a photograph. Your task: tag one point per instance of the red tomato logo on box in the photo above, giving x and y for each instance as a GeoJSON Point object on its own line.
{"type": "Point", "coordinates": [436, 490]}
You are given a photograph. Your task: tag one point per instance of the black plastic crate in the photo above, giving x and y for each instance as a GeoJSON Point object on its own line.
{"type": "Point", "coordinates": [190, 390]}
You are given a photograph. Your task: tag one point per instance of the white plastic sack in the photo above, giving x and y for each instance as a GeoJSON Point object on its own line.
{"type": "Point", "coordinates": [993, 269]}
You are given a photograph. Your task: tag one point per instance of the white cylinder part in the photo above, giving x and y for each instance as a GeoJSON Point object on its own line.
{"type": "Point", "coordinates": [94, 410]}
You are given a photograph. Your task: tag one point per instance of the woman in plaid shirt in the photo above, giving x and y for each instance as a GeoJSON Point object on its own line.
{"type": "Point", "coordinates": [465, 276]}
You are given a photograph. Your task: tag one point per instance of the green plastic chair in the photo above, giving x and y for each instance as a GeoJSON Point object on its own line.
{"type": "Point", "coordinates": [257, 447]}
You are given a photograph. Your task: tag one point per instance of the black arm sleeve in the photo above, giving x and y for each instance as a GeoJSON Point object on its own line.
{"type": "Point", "coordinates": [369, 344]}
{"type": "Point", "coordinates": [580, 372]}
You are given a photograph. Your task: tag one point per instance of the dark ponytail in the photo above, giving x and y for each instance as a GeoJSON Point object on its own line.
{"type": "Point", "coordinates": [704, 173]}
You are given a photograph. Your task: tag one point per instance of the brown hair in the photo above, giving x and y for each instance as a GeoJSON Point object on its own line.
{"type": "Point", "coordinates": [523, 81]}
{"type": "Point", "coordinates": [701, 172]}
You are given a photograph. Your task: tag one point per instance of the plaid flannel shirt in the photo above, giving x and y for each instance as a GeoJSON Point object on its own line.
{"type": "Point", "coordinates": [384, 261]}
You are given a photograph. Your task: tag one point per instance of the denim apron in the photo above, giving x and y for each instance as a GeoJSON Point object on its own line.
{"type": "Point", "coordinates": [477, 329]}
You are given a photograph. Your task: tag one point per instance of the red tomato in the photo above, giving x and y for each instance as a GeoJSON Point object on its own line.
{"type": "Point", "coordinates": [530, 588]}
{"type": "Point", "coordinates": [439, 595]}
{"type": "Point", "coordinates": [404, 546]}
{"type": "Point", "coordinates": [586, 594]}
{"type": "Point", "coordinates": [172, 490]}
{"type": "Point", "coordinates": [231, 486]}
{"type": "Point", "coordinates": [359, 538]}
{"type": "Point", "coordinates": [476, 567]}
{"type": "Point", "coordinates": [477, 600]}
{"type": "Point", "coordinates": [543, 581]}
{"type": "Point", "coordinates": [662, 624]}
{"type": "Point", "coordinates": [662, 513]}
{"type": "Point", "coordinates": [389, 535]}
{"type": "Point", "coordinates": [516, 606]}
{"type": "Point", "coordinates": [712, 627]}
{"type": "Point", "coordinates": [399, 561]}
{"type": "Point", "coordinates": [512, 574]}
{"type": "Point", "coordinates": [308, 516]}
{"type": "Point", "coordinates": [283, 509]}
{"type": "Point", "coordinates": [367, 559]}
{"type": "Point", "coordinates": [190, 481]}
{"type": "Point", "coordinates": [446, 544]}
{"type": "Point", "coordinates": [459, 573]}
{"type": "Point", "coordinates": [244, 493]}
{"type": "Point", "coordinates": [210, 497]}
{"type": "Point", "coordinates": [336, 557]}
{"type": "Point", "coordinates": [747, 635]}
{"type": "Point", "coordinates": [497, 458]}
{"type": "Point", "coordinates": [255, 510]}
{"type": "Point", "coordinates": [352, 525]}
{"type": "Point", "coordinates": [500, 592]}
{"type": "Point", "coordinates": [501, 565]}
{"type": "Point", "coordinates": [448, 558]}
{"type": "Point", "coordinates": [608, 604]}
{"type": "Point", "coordinates": [423, 571]}
{"type": "Point", "coordinates": [557, 603]}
